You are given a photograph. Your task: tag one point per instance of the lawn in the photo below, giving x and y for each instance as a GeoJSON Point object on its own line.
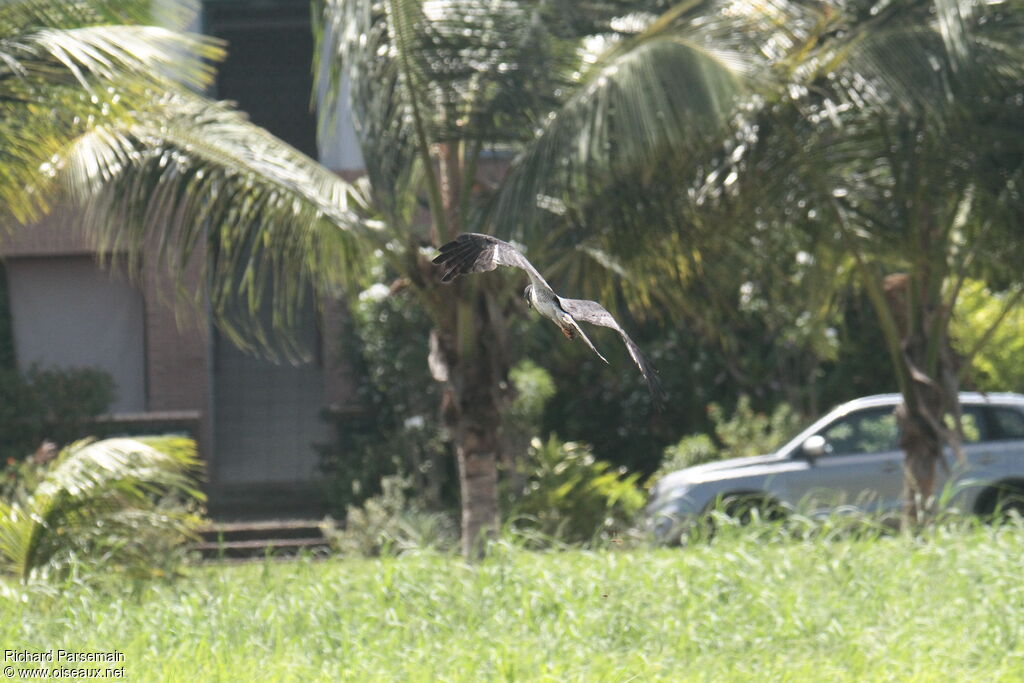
{"type": "Point", "coordinates": [949, 606]}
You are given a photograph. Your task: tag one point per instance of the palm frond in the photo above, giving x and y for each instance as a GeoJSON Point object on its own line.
{"type": "Point", "coordinates": [88, 485]}
{"type": "Point", "coordinates": [445, 71]}
{"type": "Point", "coordinates": [93, 53]}
{"type": "Point", "coordinates": [18, 16]}
{"type": "Point", "coordinates": [56, 82]}
{"type": "Point", "coordinates": [352, 48]}
{"type": "Point", "coordinates": [261, 220]}
{"type": "Point", "coordinates": [668, 92]}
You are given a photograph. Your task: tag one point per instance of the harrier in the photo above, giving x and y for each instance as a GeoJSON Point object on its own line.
{"type": "Point", "coordinates": [475, 253]}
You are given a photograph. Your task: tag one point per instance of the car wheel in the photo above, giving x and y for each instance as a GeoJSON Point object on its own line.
{"type": "Point", "coordinates": [1002, 502]}
{"type": "Point", "coordinates": [746, 508]}
{"type": "Point", "coordinates": [741, 508]}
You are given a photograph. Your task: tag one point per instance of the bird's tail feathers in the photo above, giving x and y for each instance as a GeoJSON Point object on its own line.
{"type": "Point", "coordinates": [585, 338]}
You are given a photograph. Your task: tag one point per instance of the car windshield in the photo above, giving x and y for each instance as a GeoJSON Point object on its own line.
{"type": "Point", "coordinates": [867, 430]}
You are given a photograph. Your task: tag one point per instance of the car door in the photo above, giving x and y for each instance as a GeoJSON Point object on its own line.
{"type": "Point", "coordinates": [993, 446]}
{"type": "Point", "coordinates": [862, 464]}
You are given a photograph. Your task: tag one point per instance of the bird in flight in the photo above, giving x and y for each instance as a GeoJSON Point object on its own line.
{"type": "Point", "coordinates": [476, 253]}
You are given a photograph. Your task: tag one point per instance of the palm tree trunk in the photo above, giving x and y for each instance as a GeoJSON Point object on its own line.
{"type": "Point", "coordinates": [476, 447]}
{"type": "Point", "coordinates": [468, 355]}
{"type": "Point", "coordinates": [922, 448]}
{"type": "Point", "coordinates": [929, 396]}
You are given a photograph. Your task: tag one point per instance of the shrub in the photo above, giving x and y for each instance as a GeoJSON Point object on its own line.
{"type": "Point", "coordinates": [745, 432]}
{"type": "Point", "coordinates": [119, 505]}
{"type": "Point", "coordinates": [571, 497]}
{"type": "Point", "coordinates": [695, 449]}
{"type": "Point", "coordinates": [49, 404]}
{"type": "Point", "coordinates": [997, 365]}
{"type": "Point", "coordinates": [391, 523]}
{"type": "Point", "coordinates": [397, 429]}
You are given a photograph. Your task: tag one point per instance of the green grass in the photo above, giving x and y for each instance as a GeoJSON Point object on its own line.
{"type": "Point", "coordinates": [949, 606]}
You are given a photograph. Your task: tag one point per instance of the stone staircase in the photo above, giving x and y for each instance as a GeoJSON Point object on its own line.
{"type": "Point", "coordinates": [257, 539]}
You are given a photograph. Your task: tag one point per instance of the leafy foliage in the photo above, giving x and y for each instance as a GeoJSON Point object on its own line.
{"type": "Point", "coordinates": [397, 429]}
{"type": "Point", "coordinates": [571, 497]}
{"type": "Point", "coordinates": [534, 388]}
{"type": "Point", "coordinates": [59, 63]}
{"type": "Point", "coordinates": [746, 432]}
{"type": "Point", "coordinates": [881, 151]}
{"type": "Point", "coordinates": [49, 404]}
{"type": "Point", "coordinates": [997, 364]}
{"type": "Point", "coordinates": [391, 523]}
{"type": "Point", "coordinates": [116, 505]}
{"type": "Point", "coordinates": [579, 94]}
{"type": "Point", "coordinates": [101, 106]}
{"type": "Point", "coordinates": [695, 449]}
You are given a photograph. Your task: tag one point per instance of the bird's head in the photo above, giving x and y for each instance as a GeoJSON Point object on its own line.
{"type": "Point", "coordinates": [526, 294]}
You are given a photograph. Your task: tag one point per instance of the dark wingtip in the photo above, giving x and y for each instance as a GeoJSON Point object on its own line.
{"type": "Point", "coordinates": [658, 397]}
{"type": "Point", "coordinates": [453, 256]}
{"type": "Point", "coordinates": [448, 246]}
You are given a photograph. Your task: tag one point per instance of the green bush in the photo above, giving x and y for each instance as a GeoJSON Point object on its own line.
{"type": "Point", "coordinates": [397, 429]}
{"type": "Point", "coordinates": [391, 523]}
{"type": "Point", "coordinates": [571, 497]}
{"type": "Point", "coordinates": [745, 432]}
{"type": "Point", "coordinates": [49, 404]}
{"type": "Point", "coordinates": [695, 449]}
{"type": "Point", "coordinates": [999, 364]}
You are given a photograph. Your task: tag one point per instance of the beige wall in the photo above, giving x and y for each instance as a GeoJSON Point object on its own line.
{"type": "Point", "coordinates": [170, 351]}
{"type": "Point", "coordinates": [68, 313]}
{"type": "Point", "coordinates": [175, 359]}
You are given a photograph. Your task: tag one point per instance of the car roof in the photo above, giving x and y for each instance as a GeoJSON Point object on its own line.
{"type": "Point", "coordinates": [968, 397]}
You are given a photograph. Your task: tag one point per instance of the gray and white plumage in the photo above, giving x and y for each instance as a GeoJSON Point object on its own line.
{"type": "Point", "coordinates": [476, 253]}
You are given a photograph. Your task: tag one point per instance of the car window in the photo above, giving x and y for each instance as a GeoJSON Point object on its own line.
{"type": "Point", "coordinates": [1006, 423]}
{"type": "Point", "coordinates": [867, 431]}
{"type": "Point", "coordinates": [970, 422]}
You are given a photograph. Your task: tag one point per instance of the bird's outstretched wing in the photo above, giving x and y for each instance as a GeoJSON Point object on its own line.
{"type": "Point", "coordinates": [475, 253]}
{"type": "Point", "coordinates": [594, 313]}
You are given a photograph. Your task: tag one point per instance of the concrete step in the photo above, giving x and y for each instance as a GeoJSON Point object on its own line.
{"type": "Point", "coordinates": [258, 539]}
{"type": "Point", "coordinates": [261, 548]}
{"type": "Point", "coordinates": [261, 529]}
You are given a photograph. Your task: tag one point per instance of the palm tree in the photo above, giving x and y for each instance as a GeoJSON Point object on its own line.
{"type": "Point", "coordinates": [102, 106]}
{"type": "Point", "coordinates": [442, 92]}
{"type": "Point", "coordinates": [894, 151]}
{"type": "Point", "coordinates": [118, 501]}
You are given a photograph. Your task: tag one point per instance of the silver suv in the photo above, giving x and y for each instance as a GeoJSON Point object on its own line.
{"type": "Point", "coordinates": [850, 457]}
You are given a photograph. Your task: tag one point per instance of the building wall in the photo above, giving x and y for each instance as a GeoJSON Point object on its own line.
{"type": "Point", "coordinates": [257, 420]}
{"type": "Point", "coordinates": [69, 313]}
{"type": "Point", "coordinates": [159, 355]}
